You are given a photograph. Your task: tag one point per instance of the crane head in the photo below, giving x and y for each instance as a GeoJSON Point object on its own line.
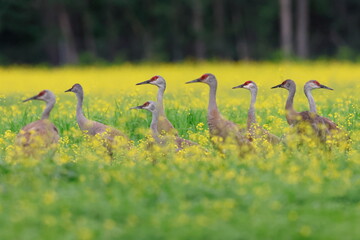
{"type": "Point", "coordinates": [207, 78]}
{"type": "Point", "coordinates": [248, 85]}
{"type": "Point", "coordinates": [149, 105]}
{"type": "Point", "coordinates": [313, 84]}
{"type": "Point", "coordinates": [156, 80]}
{"type": "Point", "coordinates": [45, 95]}
{"type": "Point", "coordinates": [287, 84]}
{"type": "Point", "coordinates": [76, 88]}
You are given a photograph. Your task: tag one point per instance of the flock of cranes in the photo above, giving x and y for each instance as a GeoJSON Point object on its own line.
{"type": "Point", "coordinates": [163, 131]}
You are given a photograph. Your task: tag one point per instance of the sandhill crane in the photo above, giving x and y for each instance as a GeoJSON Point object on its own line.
{"type": "Point", "coordinates": [253, 127]}
{"type": "Point", "coordinates": [92, 127]}
{"type": "Point", "coordinates": [41, 133]}
{"type": "Point", "coordinates": [152, 107]}
{"type": "Point", "coordinates": [164, 125]}
{"type": "Point", "coordinates": [310, 85]}
{"type": "Point", "coordinates": [321, 126]}
{"type": "Point", "coordinates": [218, 125]}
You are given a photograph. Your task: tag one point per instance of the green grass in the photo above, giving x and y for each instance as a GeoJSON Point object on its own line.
{"type": "Point", "coordinates": [284, 193]}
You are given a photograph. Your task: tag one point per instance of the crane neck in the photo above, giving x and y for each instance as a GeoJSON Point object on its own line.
{"type": "Point", "coordinates": [289, 107]}
{"type": "Point", "coordinates": [49, 106]}
{"type": "Point", "coordinates": [251, 113]}
{"type": "Point", "coordinates": [310, 98]}
{"type": "Point", "coordinates": [154, 125]}
{"type": "Point", "coordinates": [212, 108]}
{"type": "Point", "coordinates": [160, 101]}
{"type": "Point", "coordinates": [80, 117]}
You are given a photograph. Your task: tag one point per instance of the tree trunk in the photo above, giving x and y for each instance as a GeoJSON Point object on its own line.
{"type": "Point", "coordinates": [112, 33]}
{"type": "Point", "coordinates": [148, 42]}
{"type": "Point", "coordinates": [50, 34]}
{"type": "Point", "coordinates": [198, 25]}
{"type": "Point", "coordinates": [286, 27]}
{"type": "Point", "coordinates": [89, 39]}
{"type": "Point", "coordinates": [302, 31]}
{"type": "Point", "coordinates": [219, 28]}
{"type": "Point", "coordinates": [175, 42]}
{"type": "Point", "coordinates": [67, 48]}
{"type": "Point", "coordinates": [242, 50]}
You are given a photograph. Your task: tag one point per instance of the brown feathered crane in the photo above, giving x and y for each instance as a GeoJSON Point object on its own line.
{"type": "Point", "coordinates": [254, 129]}
{"type": "Point", "coordinates": [218, 125]}
{"type": "Point", "coordinates": [91, 127]}
{"type": "Point", "coordinates": [321, 126]}
{"type": "Point", "coordinates": [41, 133]}
{"type": "Point", "coordinates": [179, 142]}
{"type": "Point", "coordinates": [164, 125]}
{"type": "Point", "coordinates": [308, 87]}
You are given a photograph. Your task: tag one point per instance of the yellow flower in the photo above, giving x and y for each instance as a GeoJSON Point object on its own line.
{"type": "Point", "coordinates": [49, 197]}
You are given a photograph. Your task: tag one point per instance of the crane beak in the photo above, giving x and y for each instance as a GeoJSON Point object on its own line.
{"type": "Point", "coordinates": [323, 86]}
{"type": "Point", "coordinates": [69, 90]}
{"type": "Point", "coordinates": [144, 82]}
{"type": "Point", "coordinates": [32, 98]}
{"type": "Point", "coordinates": [240, 86]}
{"type": "Point", "coordinates": [137, 107]}
{"type": "Point", "coordinates": [277, 86]}
{"type": "Point", "coordinates": [194, 81]}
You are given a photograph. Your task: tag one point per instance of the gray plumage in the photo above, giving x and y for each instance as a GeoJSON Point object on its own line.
{"type": "Point", "coordinates": [218, 125]}
{"type": "Point", "coordinates": [321, 126]}
{"type": "Point", "coordinates": [181, 143]}
{"type": "Point", "coordinates": [308, 87]}
{"type": "Point", "coordinates": [91, 127]}
{"type": "Point", "coordinates": [164, 125]}
{"type": "Point", "coordinates": [254, 129]}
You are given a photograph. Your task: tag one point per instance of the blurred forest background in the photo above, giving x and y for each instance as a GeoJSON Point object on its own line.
{"type": "Point", "coordinates": [58, 32]}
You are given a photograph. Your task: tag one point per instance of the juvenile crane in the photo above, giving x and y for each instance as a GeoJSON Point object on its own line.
{"type": "Point", "coordinates": [310, 85]}
{"type": "Point", "coordinates": [321, 126]}
{"type": "Point", "coordinates": [152, 107]}
{"type": "Point", "coordinates": [218, 125]}
{"type": "Point", "coordinates": [41, 133]}
{"type": "Point", "coordinates": [253, 127]}
{"type": "Point", "coordinates": [92, 127]}
{"type": "Point", "coordinates": [164, 125]}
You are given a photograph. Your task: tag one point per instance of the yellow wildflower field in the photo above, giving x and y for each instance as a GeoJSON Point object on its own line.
{"type": "Point", "coordinates": [290, 190]}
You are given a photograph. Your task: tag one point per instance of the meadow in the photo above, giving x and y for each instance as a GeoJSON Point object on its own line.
{"type": "Point", "coordinates": [288, 191]}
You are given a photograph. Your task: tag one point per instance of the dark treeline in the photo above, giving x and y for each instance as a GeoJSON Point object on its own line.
{"type": "Point", "coordinates": [86, 31]}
